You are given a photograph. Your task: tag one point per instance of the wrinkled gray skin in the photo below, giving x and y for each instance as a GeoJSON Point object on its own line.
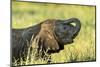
{"type": "Point", "coordinates": [64, 31]}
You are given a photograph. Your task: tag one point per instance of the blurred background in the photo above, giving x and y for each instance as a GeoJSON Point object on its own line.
{"type": "Point", "coordinates": [25, 14]}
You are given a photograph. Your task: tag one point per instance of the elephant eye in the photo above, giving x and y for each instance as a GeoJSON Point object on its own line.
{"type": "Point", "coordinates": [64, 28]}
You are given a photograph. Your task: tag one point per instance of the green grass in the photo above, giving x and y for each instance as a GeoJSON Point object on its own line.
{"type": "Point", "coordinates": [83, 49]}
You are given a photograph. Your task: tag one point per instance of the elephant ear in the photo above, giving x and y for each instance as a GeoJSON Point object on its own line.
{"type": "Point", "coordinates": [51, 42]}
{"type": "Point", "coordinates": [46, 37]}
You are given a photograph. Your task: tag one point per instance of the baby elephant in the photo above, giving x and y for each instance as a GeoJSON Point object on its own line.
{"type": "Point", "coordinates": [50, 35]}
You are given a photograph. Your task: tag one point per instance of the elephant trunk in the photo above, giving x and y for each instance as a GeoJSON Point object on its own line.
{"type": "Point", "coordinates": [77, 24]}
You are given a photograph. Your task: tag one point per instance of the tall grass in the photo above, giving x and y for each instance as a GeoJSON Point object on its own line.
{"type": "Point", "coordinates": [83, 49]}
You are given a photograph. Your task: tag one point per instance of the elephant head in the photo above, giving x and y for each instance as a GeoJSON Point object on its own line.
{"type": "Point", "coordinates": [67, 30]}
{"type": "Point", "coordinates": [55, 33]}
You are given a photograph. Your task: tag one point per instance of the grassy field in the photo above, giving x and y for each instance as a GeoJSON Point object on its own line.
{"type": "Point", "coordinates": [83, 49]}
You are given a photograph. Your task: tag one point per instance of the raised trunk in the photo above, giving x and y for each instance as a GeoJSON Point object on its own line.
{"type": "Point", "coordinates": [77, 24]}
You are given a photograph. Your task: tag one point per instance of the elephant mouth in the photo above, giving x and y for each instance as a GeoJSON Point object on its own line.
{"type": "Point", "coordinates": [67, 40]}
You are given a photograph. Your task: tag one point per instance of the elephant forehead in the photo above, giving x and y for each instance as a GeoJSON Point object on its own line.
{"type": "Point", "coordinates": [47, 26]}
